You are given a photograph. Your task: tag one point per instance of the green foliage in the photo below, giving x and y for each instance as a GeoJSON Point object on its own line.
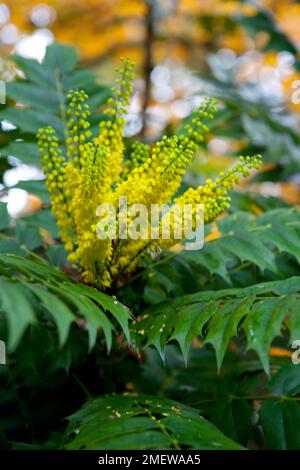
{"type": "Point", "coordinates": [257, 122]}
{"type": "Point", "coordinates": [260, 311]}
{"type": "Point", "coordinates": [234, 398]}
{"type": "Point", "coordinates": [54, 77]}
{"type": "Point", "coordinates": [246, 250]}
{"type": "Point", "coordinates": [43, 92]}
{"type": "Point", "coordinates": [27, 285]}
{"type": "Point", "coordinates": [143, 422]}
{"type": "Point", "coordinates": [4, 217]}
{"type": "Point", "coordinates": [212, 315]}
{"type": "Point", "coordinates": [280, 414]}
{"type": "Point", "coordinates": [247, 238]}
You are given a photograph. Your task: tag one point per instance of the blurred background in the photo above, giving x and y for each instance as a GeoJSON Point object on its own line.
{"type": "Point", "coordinates": [246, 53]}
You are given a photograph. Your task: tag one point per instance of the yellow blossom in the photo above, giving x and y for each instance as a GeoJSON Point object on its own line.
{"type": "Point", "coordinates": [94, 171]}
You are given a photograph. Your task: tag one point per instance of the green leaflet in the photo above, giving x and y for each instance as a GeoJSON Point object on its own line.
{"type": "Point", "coordinates": [251, 121]}
{"type": "Point", "coordinates": [280, 414]}
{"type": "Point", "coordinates": [280, 418]}
{"type": "Point", "coordinates": [224, 325]}
{"type": "Point", "coordinates": [259, 310]}
{"type": "Point", "coordinates": [62, 315]}
{"type": "Point", "coordinates": [25, 151]}
{"type": "Point", "coordinates": [4, 217]}
{"type": "Point", "coordinates": [245, 237]}
{"type": "Point", "coordinates": [143, 422]}
{"type": "Point", "coordinates": [15, 303]}
{"type": "Point", "coordinates": [25, 282]}
{"type": "Point", "coordinates": [44, 93]}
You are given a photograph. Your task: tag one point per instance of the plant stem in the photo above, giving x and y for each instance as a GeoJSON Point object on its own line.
{"type": "Point", "coordinates": [148, 63]}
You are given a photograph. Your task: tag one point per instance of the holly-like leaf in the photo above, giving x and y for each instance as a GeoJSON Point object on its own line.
{"type": "Point", "coordinates": [27, 285]}
{"type": "Point", "coordinates": [144, 423]}
{"type": "Point", "coordinates": [217, 316]}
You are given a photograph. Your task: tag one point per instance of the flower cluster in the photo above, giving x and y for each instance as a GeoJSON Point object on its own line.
{"type": "Point", "coordinates": [94, 171]}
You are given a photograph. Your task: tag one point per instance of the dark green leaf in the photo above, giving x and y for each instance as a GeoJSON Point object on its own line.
{"type": "Point", "coordinates": [143, 422]}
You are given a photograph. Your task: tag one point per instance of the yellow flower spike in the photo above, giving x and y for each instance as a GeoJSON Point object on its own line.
{"type": "Point", "coordinates": [212, 195]}
{"type": "Point", "coordinates": [111, 131]}
{"type": "Point", "coordinates": [77, 123]}
{"type": "Point", "coordinates": [159, 177]}
{"type": "Point", "coordinates": [54, 167]}
{"type": "Point", "coordinates": [95, 171]}
{"type": "Point", "coordinates": [139, 155]}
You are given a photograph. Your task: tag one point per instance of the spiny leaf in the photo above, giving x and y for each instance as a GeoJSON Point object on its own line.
{"type": "Point", "coordinates": [263, 324]}
{"type": "Point", "coordinates": [66, 300]}
{"type": "Point", "coordinates": [143, 422]}
{"type": "Point", "coordinates": [260, 311]}
{"type": "Point", "coordinates": [60, 312]}
{"type": "Point", "coordinates": [43, 91]}
{"type": "Point", "coordinates": [15, 303]}
{"type": "Point", "coordinates": [224, 325]}
{"type": "Point", "coordinates": [91, 312]}
{"type": "Point", "coordinates": [245, 237]}
{"type": "Point", "coordinates": [111, 304]}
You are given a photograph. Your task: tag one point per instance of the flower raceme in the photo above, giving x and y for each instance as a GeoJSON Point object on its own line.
{"type": "Point", "coordinates": [93, 172]}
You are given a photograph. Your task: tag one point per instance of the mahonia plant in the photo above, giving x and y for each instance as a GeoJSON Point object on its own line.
{"type": "Point", "coordinates": [94, 171]}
